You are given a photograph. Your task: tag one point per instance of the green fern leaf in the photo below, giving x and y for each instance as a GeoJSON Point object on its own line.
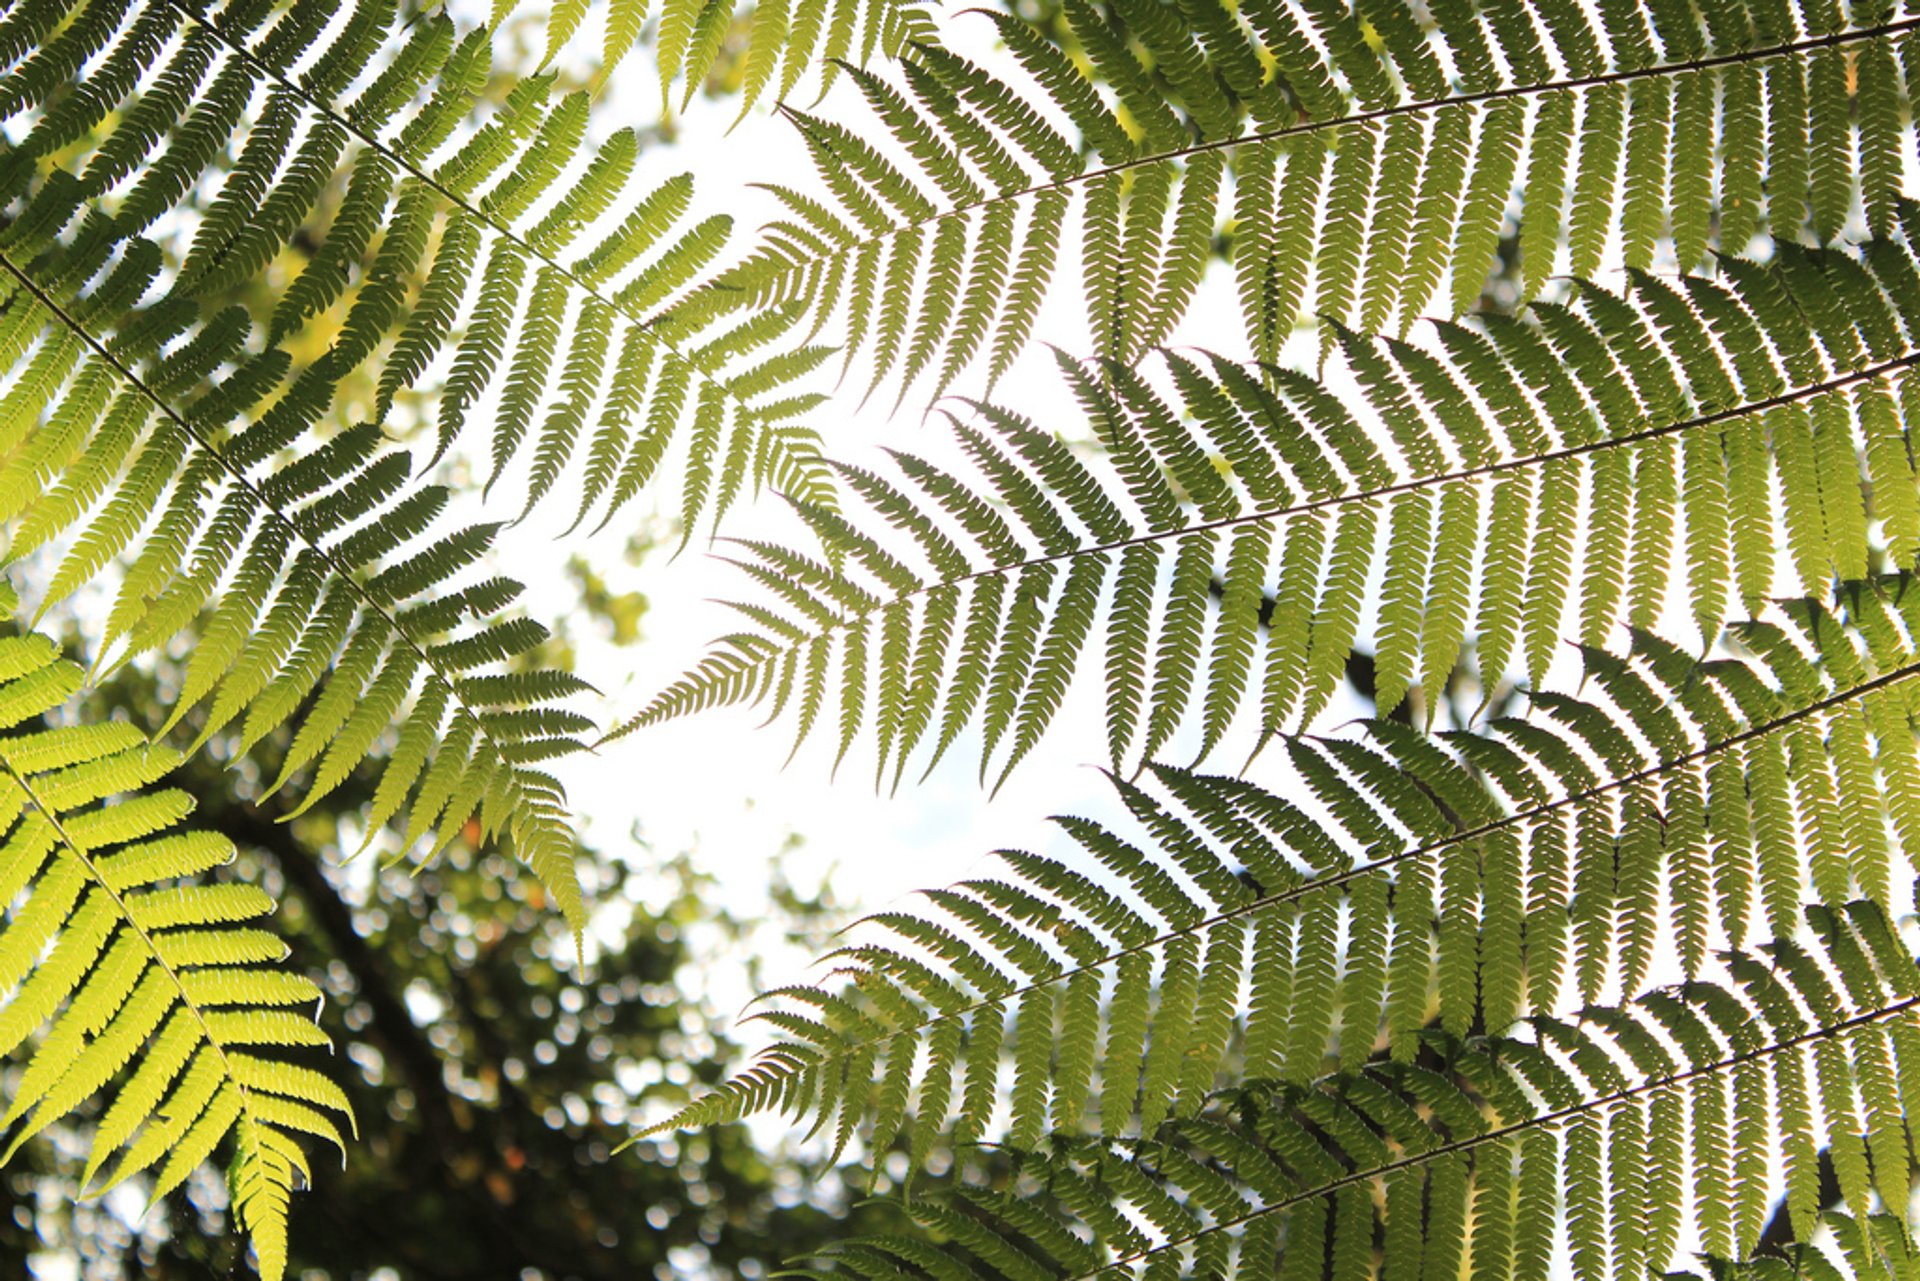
{"type": "Point", "coordinates": [1653, 462]}
{"type": "Point", "coordinates": [123, 965]}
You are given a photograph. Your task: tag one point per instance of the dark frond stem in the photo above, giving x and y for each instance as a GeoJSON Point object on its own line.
{"type": "Point", "coordinates": [405, 1044]}
{"type": "Point", "coordinates": [240, 479]}
{"type": "Point", "coordinates": [1813, 44]}
{"type": "Point", "coordinates": [1544, 1120]}
{"type": "Point", "coordinates": [1308, 128]}
{"type": "Point", "coordinates": [469, 207]}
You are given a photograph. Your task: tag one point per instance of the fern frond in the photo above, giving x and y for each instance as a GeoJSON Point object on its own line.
{"type": "Point", "coordinates": [1417, 168]}
{"type": "Point", "coordinates": [440, 189]}
{"type": "Point", "coordinates": [1239, 901]}
{"type": "Point", "coordinates": [1667, 411]}
{"type": "Point", "coordinates": [129, 974]}
{"type": "Point", "coordinates": [1585, 1119]}
{"type": "Point", "coordinates": [330, 594]}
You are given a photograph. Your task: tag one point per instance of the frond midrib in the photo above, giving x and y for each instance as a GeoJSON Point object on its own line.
{"type": "Point", "coordinates": [127, 919]}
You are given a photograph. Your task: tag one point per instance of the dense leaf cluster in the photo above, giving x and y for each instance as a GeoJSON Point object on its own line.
{"type": "Point", "coordinates": [1440, 995]}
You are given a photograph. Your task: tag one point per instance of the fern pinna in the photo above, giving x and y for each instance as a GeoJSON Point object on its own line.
{"type": "Point", "coordinates": [126, 969]}
{"type": "Point", "coordinates": [333, 558]}
{"type": "Point", "coordinates": [1361, 166]}
{"type": "Point", "coordinates": [1432, 890]}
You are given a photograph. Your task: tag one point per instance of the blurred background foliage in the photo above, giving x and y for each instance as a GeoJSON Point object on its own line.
{"type": "Point", "coordinates": [490, 1075]}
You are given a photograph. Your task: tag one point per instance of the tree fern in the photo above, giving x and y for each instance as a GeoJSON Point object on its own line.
{"type": "Point", "coordinates": [1668, 412]}
{"type": "Point", "coordinates": [1479, 877]}
{"type": "Point", "coordinates": [1268, 1178]}
{"type": "Point", "coordinates": [128, 972]}
{"type": "Point", "coordinates": [1363, 176]}
{"type": "Point", "coordinates": [1409, 1010]}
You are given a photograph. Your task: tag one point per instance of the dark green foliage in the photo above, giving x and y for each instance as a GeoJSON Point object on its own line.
{"type": "Point", "coordinates": [1588, 1116]}
{"type": "Point", "coordinates": [1481, 876]}
{"type": "Point", "coordinates": [1230, 1041]}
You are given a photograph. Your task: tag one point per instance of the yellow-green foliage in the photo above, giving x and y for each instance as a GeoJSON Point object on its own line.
{"type": "Point", "coordinates": [123, 948]}
{"type": "Point", "coordinates": [783, 41]}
